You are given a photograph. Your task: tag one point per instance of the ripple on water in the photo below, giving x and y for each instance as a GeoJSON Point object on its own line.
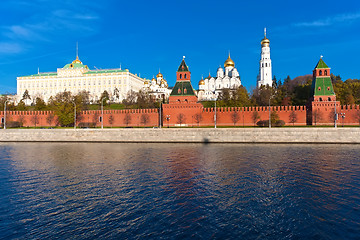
{"type": "Point", "coordinates": [177, 191]}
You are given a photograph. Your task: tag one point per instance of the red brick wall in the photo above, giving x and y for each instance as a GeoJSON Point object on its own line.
{"type": "Point", "coordinates": [136, 117]}
{"type": "Point", "coordinates": [325, 113]}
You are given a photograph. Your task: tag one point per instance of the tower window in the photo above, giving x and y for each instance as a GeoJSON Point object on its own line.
{"type": "Point", "coordinates": [265, 64]}
{"type": "Point", "coordinates": [319, 89]}
{"type": "Point", "coordinates": [180, 76]}
{"type": "Point", "coordinates": [326, 73]}
{"type": "Point", "coordinates": [320, 73]}
{"type": "Point", "coordinates": [185, 75]}
{"type": "Point", "coordinates": [262, 65]}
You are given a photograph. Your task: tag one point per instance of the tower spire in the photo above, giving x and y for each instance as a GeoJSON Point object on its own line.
{"type": "Point", "coordinates": [265, 32]}
{"type": "Point", "coordinates": [77, 50]}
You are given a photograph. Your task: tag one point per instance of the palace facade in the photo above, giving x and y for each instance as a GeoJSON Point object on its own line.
{"type": "Point", "coordinates": [76, 77]}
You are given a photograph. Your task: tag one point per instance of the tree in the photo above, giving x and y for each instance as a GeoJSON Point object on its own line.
{"type": "Point", "coordinates": [198, 118]}
{"type": "Point", "coordinates": [293, 117]}
{"type": "Point", "coordinates": [21, 106]}
{"type": "Point", "coordinates": [111, 120]}
{"type": "Point", "coordinates": [144, 119]}
{"type": "Point", "coordinates": [127, 119]}
{"type": "Point", "coordinates": [50, 119]}
{"type": "Point", "coordinates": [317, 116]}
{"type": "Point", "coordinates": [35, 119]}
{"type": "Point", "coordinates": [255, 116]}
{"type": "Point", "coordinates": [40, 104]}
{"type": "Point", "coordinates": [104, 98]}
{"type": "Point", "coordinates": [21, 120]}
{"type": "Point", "coordinates": [181, 118]}
{"type": "Point", "coordinates": [95, 119]}
{"type": "Point", "coordinates": [235, 117]}
{"type": "Point", "coordinates": [116, 94]}
{"type": "Point", "coordinates": [26, 95]}
{"type": "Point", "coordinates": [63, 107]}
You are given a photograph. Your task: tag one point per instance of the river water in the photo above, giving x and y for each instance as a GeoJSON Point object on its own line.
{"type": "Point", "coordinates": [179, 191]}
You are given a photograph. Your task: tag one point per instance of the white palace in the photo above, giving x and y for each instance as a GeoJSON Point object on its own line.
{"type": "Point", "coordinates": [76, 77]}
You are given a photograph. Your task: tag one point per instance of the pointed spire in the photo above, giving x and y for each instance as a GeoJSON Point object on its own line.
{"type": "Point", "coordinates": [183, 67]}
{"type": "Point", "coordinates": [265, 32]}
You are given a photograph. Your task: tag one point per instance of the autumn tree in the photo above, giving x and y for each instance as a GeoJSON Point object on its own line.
{"type": "Point", "coordinates": [235, 117]}
{"type": "Point", "coordinates": [144, 119]}
{"type": "Point", "coordinates": [293, 117]}
{"type": "Point", "coordinates": [40, 104]}
{"type": "Point", "coordinates": [35, 119]}
{"type": "Point", "coordinates": [127, 119]}
{"type": "Point", "coordinates": [63, 107]}
{"type": "Point", "coordinates": [181, 118]}
{"type": "Point", "coordinates": [317, 116]}
{"type": "Point", "coordinates": [255, 117]}
{"type": "Point", "coordinates": [50, 118]}
{"type": "Point", "coordinates": [198, 118]}
{"type": "Point", "coordinates": [111, 119]}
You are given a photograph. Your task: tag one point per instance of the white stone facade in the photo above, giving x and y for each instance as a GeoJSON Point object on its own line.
{"type": "Point", "coordinates": [157, 87]}
{"type": "Point", "coordinates": [227, 77]}
{"type": "Point", "coordinates": [76, 77]}
{"type": "Point", "coordinates": [265, 67]}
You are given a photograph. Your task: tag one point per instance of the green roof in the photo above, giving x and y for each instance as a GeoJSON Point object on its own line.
{"type": "Point", "coordinates": [105, 71]}
{"type": "Point", "coordinates": [322, 86]}
{"type": "Point", "coordinates": [321, 64]}
{"type": "Point", "coordinates": [183, 67]}
{"type": "Point", "coordinates": [182, 88]}
{"type": "Point", "coordinates": [42, 74]}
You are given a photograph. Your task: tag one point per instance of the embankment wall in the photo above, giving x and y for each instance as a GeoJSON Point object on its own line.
{"type": "Point", "coordinates": [187, 135]}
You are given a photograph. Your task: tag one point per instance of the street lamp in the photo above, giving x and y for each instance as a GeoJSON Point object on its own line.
{"type": "Point", "coordinates": [270, 111]}
{"type": "Point", "coordinates": [336, 115]}
{"type": "Point", "coordinates": [5, 113]}
{"type": "Point", "coordinates": [74, 115]}
{"type": "Point", "coordinates": [102, 113]}
{"type": "Point", "coordinates": [342, 115]}
{"type": "Point", "coordinates": [160, 113]}
{"type": "Point", "coordinates": [215, 114]}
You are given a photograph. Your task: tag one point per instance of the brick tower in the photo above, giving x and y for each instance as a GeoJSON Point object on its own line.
{"type": "Point", "coordinates": [324, 102]}
{"type": "Point", "coordinates": [183, 103]}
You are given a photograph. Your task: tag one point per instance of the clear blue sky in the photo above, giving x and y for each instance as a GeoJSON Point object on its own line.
{"type": "Point", "coordinates": [147, 35]}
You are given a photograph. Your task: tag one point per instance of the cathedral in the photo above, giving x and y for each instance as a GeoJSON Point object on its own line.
{"type": "Point", "coordinates": [157, 87]}
{"type": "Point", "coordinates": [227, 77]}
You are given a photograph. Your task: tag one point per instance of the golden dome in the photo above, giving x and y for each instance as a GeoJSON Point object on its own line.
{"type": "Point", "coordinates": [153, 79]}
{"type": "Point", "coordinates": [77, 60]}
{"type": "Point", "coordinates": [229, 62]}
{"type": "Point", "coordinates": [202, 82]}
{"type": "Point", "coordinates": [265, 41]}
{"type": "Point", "coordinates": [159, 75]}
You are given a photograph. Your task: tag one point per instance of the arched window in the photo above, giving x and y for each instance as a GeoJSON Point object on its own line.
{"type": "Point", "coordinates": [329, 99]}
{"type": "Point", "coordinates": [325, 73]}
{"type": "Point", "coordinates": [262, 65]}
{"type": "Point", "coordinates": [320, 99]}
{"type": "Point", "coordinates": [265, 64]}
{"type": "Point", "coordinates": [180, 76]}
{"type": "Point", "coordinates": [185, 90]}
{"type": "Point", "coordinates": [320, 73]}
{"type": "Point", "coordinates": [185, 75]}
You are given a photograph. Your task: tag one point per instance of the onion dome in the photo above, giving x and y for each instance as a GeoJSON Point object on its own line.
{"type": "Point", "coordinates": [229, 62]}
{"type": "Point", "coordinates": [202, 82]}
{"type": "Point", "coordinates": [159, 75]}
{"type": "Point", "coordinates": [146, 81]}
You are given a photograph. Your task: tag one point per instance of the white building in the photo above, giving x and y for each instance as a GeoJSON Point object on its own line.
{"type": "Point", "coordinates": [76, 77]}
{"type": "Point", "coordinates": [265, 72]}
{"type": "Point", "coordinates": [210, 87]}
{"type": "Point", "coordinates": [157, 87]}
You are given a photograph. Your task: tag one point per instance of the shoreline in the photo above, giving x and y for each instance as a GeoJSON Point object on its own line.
{"type": "Point", "coordinates": [187, 135]}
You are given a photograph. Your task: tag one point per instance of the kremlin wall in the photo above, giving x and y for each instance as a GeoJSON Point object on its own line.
{"type": "Point", "coordinates": [184, 110]}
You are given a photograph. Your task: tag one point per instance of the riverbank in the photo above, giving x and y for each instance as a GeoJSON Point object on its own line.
{"type": "Point", "coordinates": [187, 135]}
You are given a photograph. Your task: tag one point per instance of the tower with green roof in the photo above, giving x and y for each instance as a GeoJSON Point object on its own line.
{"type": "Point", "coordinates": [322, 87]}
{"type": "Point", "coordinates": [183, 90]}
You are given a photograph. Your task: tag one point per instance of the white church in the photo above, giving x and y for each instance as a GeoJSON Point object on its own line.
{"type": "Point", "coordinates": [210, 87]}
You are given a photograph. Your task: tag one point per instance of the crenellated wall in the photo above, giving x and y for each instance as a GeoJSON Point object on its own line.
{"type": "Point", "coordinates": [118, 118]}
{"type": "Point", "coordinates": [193, 115]}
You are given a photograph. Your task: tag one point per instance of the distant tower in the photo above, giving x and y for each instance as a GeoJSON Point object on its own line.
{"type": "Point", "coordinates": [265, 72]}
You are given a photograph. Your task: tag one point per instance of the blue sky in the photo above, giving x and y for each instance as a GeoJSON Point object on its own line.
{"type": "Point", "coordinates": [147, 35]}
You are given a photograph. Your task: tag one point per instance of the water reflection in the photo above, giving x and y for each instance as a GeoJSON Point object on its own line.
{"type": "Point", "coordinates": [179, 191]}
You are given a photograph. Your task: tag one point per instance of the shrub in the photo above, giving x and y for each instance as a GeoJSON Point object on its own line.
{"type": "Point", "coordinates": [265, 123]}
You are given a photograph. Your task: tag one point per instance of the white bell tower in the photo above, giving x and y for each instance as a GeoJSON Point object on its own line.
{"type": "Point", "coordinates": [265, 72]}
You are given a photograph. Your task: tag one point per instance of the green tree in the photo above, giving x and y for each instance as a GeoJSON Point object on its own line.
{"type": "Point", "coordinates": [63, 106]}
{"type": "Point", "coordinates": [40, 104]}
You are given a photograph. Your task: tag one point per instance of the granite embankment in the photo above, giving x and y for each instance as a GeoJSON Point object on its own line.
{"type": "Point", "coordinates": [190, 135]}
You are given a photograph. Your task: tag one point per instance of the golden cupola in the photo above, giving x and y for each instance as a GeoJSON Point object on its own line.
{"type": "Point", "coordinates": [229, 62]}
{"type": "Point", "coordinates": [202, 82]}
{"type": "Point", "coordinates": [159, 75]}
